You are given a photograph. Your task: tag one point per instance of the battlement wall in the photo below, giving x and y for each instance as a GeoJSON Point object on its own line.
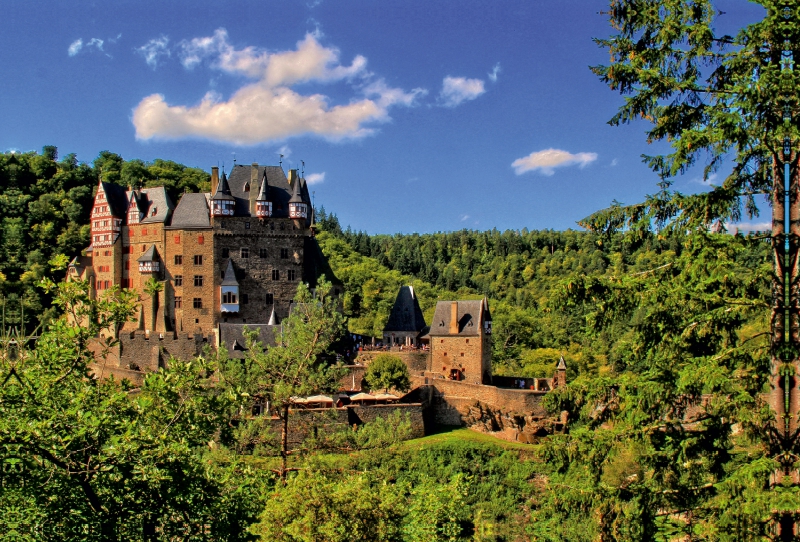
{"type": "Point", "coordinates": [149, 352]}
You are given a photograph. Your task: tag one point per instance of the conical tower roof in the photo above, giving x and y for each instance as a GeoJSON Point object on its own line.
{"type": "Point", "coordinates": [273, 318]}
{"type": "Point", "coordinates": [263, 191]}
{"type": "Point", "coordinates": [562, 366]}
{"type": "Point", "coordinates": [297, 196]}
{"type": "Point", "coordinates": [230, 276]}
{"type": "Point", "coordinates": [223, 190]}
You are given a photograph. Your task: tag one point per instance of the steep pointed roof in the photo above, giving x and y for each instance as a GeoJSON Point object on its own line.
{"type": "Point", "coordinates": [297, 196]}
{"type": "Point", "coordinates": [273, 318]}
{"type": "Point", "coordinates": [562, 366]}
{"type": "Point", "coordinates": [116, 197]}
{"type": "Point", "coordinates": [263, 191]}
{"type": "Point", "coordinates": [230, 276]}
{"type": "Point", "coordinates": [150, 256]}
{"type": "Point", "coordinates": [406, 314]}
{"type": "Point", "coordinates": [223, 190]}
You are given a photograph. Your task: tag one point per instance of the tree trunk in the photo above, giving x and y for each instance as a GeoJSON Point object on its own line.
{"type": "Point", "coordinates": [284, 441]}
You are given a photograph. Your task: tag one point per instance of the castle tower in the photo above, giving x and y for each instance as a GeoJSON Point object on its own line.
{"type": "Point", "coordinates": [229, 291]}
{"type": "Point", "coordinates": [406, 322]}
{"type": "Point", "coordinates": [461, 347]}
{"type": "Point", "coordinates": [222, 202]}
{"type": "Point", "coordinates": [560, 375]}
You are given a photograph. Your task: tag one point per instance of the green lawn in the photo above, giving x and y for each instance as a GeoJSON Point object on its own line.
{"type": "Point", "coordinates": [453, 434]}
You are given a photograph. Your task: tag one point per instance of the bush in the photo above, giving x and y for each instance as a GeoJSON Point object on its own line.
{"type": "Point", "coordinates": [387, 372]}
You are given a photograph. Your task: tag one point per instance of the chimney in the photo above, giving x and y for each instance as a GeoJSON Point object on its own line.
{"type": "Point", "coordinates": [214, 179]}
{"type": "Point", "coordinates": [454, 318]}
{"type": "Point", "coordinates": [253, 194]}
{"type": "Point", "coordinates": [292, 177]}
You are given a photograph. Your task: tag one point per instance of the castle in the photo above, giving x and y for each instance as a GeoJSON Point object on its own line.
{"type": "Point", "coordinates": [204, 268]}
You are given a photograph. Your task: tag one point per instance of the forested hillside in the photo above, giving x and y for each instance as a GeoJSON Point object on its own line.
{"type": "Point", "coordinates": [525, 274]}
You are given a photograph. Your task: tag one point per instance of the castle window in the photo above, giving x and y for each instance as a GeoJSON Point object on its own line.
{"type": "Point", "coordinates": [462, 354]}
{"type": "Point", "coordinates": [177, 239]}
{"type": "Point", "coordinates": [198, 259]}
{"type": "Point", "coordinates": [127, 264]}
{"type": "Point", "coordinates": [276, 275]}
{"type": "Point", "coordinates": [284, 253]}
{"type": "Point", "coordinates": [245, 252]}
{"type": "Point", "coordinates": [198, 280]}
{"type": "Point", "coordinates": [262, 252]}
{"type": "Point", "coordinates": [144, 231]}
{"type": "Point", "coordinates": [154, 212]}
{"type": "Point", "coordinates": [229, 297]}
{"type": "Point", "coordinates": [178, 259]}
{"type": "Point", "coordinates": [270, 299]}
{"type": "Point", "coordinates": [143, 248]}
{"type": "Point", "coordinates": [226, 252]}
{"type": "Point", "coordinates": [178, 302]}
{"type": "Point", "coordinates": [467, 343]}
{"type": "Point", "coordinates": [107, 253]}
{"type": "Point", "coordinates": [197, 303]}
{"type": "Point", "coordinates": [272, 225]}
{"type": "Point", "coordinates": [290, 274]}
{"type": "Point", "coordinates": [178, 280]}
{"type": "Point", "coordinates": [247, 225]}
{"type": "Point", "coordinates": [283, 226]}
{"type": "Point", "coordinates": [244, 299]}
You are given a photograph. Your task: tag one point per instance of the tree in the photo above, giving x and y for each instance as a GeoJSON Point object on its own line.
{"type": "Point", "coordinates": [295, 367]}
{"type": "Point", "coordinates": [387, 372]}
{"type": "Point", "coordinates": [735, 102]}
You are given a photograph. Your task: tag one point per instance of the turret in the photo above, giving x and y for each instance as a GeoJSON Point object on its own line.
{"type": "Point", "coordinates": [149, 262]}
{"type": "Point", "coordinates": [298, 209]}
{"type": "Point", "coordinates": [263, 203]}
{"type": "Point", "coordinates": [560, 376]}
{"type": "Point", "coordinates": [222, 202]}
{"type": "Point", "coordinates": [229, 291]}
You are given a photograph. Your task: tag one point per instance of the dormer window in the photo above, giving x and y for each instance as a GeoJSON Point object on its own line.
{"type": "Point", "coordinates": [154, 212]}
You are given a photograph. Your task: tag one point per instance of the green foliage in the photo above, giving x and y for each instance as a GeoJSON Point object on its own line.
{"type": "Point", "coordinates": [85, 459]}
{"type": "Point", "coordinates": [386, 372]}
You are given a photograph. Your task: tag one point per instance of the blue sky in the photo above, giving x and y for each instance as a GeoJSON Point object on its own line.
{"type": "Point", "coordinates": [410, 115]}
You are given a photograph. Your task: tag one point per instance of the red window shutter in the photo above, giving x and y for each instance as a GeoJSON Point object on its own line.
{"type": "Point", "coordinates": [200, 239]}
{"type": "Point", "coordinates": [177, 239]}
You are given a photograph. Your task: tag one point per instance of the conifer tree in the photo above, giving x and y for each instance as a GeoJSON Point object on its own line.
{"type": "Point", "coordinates": [722, 101]}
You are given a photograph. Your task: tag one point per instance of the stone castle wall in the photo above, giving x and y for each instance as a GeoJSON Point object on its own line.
{"type": "Point", "coordinates": [417, 362]}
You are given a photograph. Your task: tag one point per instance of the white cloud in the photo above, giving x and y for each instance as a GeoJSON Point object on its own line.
{"type": "Point", "coordinates": [154, 50]}
{"type": "Point", "coordinates": [548, 159]}
{"type": "Point", "coordinates": [614, 162]}
{"type": "Point", "coordinates": [493, 74]}
{"type": "Point", "coordinates": [464, 218]}
{"type": "Point", "coordinates": [706, 182]}
{"type": "Point", "coordinates": [95, 43]}
{"type": "Point", "coordinates": [749, 226]}
{"type": "Point", "coordinates": [456, 90]}
{"type": "Point", "coordinates": [315, 178]}
{"type": "Point", "coordinates": [285, 151]}
{"type": "Point", "coordinates": [268, 109]}
{"type": "Point", "coordinates": [75, 47]}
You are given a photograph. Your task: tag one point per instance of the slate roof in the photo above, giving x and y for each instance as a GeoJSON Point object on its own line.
{"type": "Point", "coordinates": [230, 334]}
{"type": "Point", "coordinates": [191, 212]}
{"type": "Point", "coordinates": [223, 191]}
{"type": "Point", "coordinates": [406, 314]}
{"type": "Point", "coordinates": [153, 199]}
{"type": "Point", "coordinates": [117, 199]}
{"type": "Point", "coordinates": [469, 315]}
{"type": "Point", "coordinates": [297, 195]}
{"type": "Point", "coordinates": [230, 276]}
{"type": "Point", "coordinates": [263, 190]}
{"type": "Point", "coordinates": [562, 365]}
{"type": "Point", "coordinates": [278, 189]}
{"type": "Point", "coordinates": [150, 256]}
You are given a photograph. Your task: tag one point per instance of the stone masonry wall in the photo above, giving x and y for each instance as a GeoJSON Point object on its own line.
{"type": "Point", "coordinates": [417, 362]}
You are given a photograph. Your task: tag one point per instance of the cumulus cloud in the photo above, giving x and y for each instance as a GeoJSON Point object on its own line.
{"type": "Point", "coordinates": [749, 226]}
{"type": "Point", "coordinates": [315, 178]}
{"type": "Point", "coordinates": [548, 159]}
{"type": "Point", "coordinates": [456, 90]}
{"type": "Point", "coordinates": [78, 45]}
{"type": "Point", "coordinates": [268, 109]}
{"type": "Point", "coordinates": [494, 72]}
{"type": "Point", "coordinates": [154, 50]}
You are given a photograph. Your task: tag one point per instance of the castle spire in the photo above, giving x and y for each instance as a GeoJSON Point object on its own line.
{"type": "Point", "coordinates": [263, 203]}
{"type": "Point", "coordinates": [298, 209]}
{"type": "Point", "coordinates": [273, 319]}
